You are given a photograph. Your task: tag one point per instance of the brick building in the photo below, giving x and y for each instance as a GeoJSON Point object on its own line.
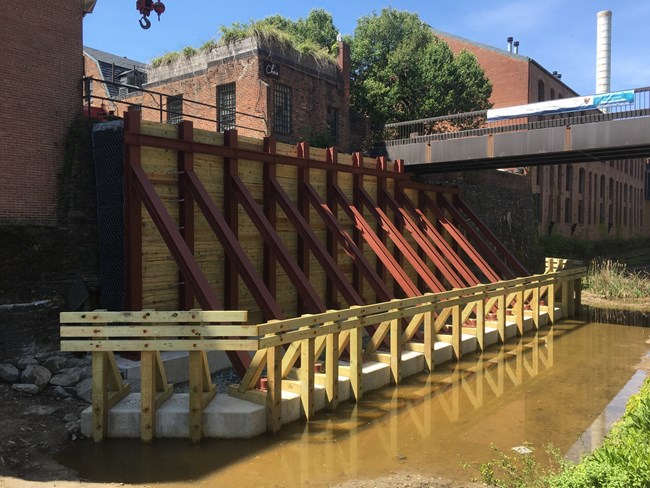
{"type": "Point", "coordinates": [112, 70]}
{"type": "Point", "coordinates": [40, 94]}
{"type": "Point", "coordinates": [256, 86]}
{"type": "Point", "coordinates": [590, 200]}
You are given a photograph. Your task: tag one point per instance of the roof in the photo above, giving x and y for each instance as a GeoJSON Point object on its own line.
{"type": "Point", "coordinates": [111, 65]}
{"type": "Point", "coordinates": [121, 61]}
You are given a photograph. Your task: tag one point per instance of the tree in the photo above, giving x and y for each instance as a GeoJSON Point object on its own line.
{"type": "Point", "coordinates": [402, 71]}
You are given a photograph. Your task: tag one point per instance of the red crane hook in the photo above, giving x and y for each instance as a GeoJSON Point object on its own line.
{"type": "Point", "coordinates": [145, 7]}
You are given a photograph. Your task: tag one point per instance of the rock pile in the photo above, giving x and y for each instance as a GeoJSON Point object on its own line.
{"type": "Point", "coordinates": [56, 374]}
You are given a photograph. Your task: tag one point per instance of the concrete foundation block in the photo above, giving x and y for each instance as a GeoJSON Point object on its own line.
{"type": "Point", "coordinates": [442, 352]}
{"type": "Point", "coordinates": [177, 365]}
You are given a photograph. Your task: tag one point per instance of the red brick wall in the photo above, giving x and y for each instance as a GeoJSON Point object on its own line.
{"type": "Point", "coordinates": [311, 94]}
{"type": "Point", "coordinates": [40, 93]}
{"type": "Point", "coordinates": [508, 74]}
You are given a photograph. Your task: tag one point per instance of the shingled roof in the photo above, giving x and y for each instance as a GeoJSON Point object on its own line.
{"type": "Point", "coordinates": [112, 65]}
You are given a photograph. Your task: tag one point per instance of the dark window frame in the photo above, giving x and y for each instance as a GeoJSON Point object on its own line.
{"type": "Point", "coordinates": [227, 106]}
{"type": "Point", "coordinates": [174, 109]}
{"type": "Point", "coordinates": [282, 109]}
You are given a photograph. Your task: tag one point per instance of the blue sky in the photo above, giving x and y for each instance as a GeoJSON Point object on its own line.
{"type": "Point", "coordinates": [559, 34]}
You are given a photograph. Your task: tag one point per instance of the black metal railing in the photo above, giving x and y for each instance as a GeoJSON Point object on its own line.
{"type": "Point", "coordinates": [471, 124]}
{"type": "Point", "coordinates": [164, 107]}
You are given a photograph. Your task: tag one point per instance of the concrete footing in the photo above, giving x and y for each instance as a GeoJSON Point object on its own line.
{"type": "Point", "coordinates": [227, 417]}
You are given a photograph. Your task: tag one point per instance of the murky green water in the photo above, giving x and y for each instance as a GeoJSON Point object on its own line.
{"type": "Point", "coordinates": [559, 386]}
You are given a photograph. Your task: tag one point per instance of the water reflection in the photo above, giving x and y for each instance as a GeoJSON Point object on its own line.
{"type": "Point", "coordinates": [546, 387]}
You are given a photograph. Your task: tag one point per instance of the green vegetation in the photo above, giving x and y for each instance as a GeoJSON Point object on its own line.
{"type": "Point", "coordinates": [623, 461]}
{"type": "Point", "coordinates": [314, 36]}
{"type": "Point", "coordinates": [612, 280]}
{"type": "Point", "coordinates": [402, 71]}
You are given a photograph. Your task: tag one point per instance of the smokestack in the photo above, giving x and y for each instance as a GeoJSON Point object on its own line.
{"type": "Point", "coordinates": [510, 44]}
{"type": "Point", "coordinates": [604, 52]}
{"type": "Point", "coordinates": [516, 45]}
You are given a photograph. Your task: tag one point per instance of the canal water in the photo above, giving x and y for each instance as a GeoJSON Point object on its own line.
{"type": "Point", "coordinates": [563, 386]}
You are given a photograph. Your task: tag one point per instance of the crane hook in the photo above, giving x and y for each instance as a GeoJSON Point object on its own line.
{"type": "Point", "coordinates": [145, 23]}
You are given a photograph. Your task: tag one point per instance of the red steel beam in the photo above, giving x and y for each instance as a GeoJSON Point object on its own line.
{"type": "Point", "coordinates": [400, 242]}
{"type": "Point", "coordinates": [306, 291]}
{"type": "Point", "coordinates": [332, 243]}
{"type": "Point", "coordinates": [368, 234]}
{"type": "Point", "coordinates": [311, 240]}
{"type": "Point", "coordinates": [422, 241]}
{"type": "Point", "coordinates": [183, 255]}
{"type": "Point", "coordinates": [231, 214]}
{"type": "Point", "coordinates": [476, 239]}
{"type": "Point", "coordinates": [245, 267]}
{"type": "Point", "coordinates": [268, 174]}
{"type": "Point", "coordinates": [460, 239]}
{"type": "Point", "coordinates": [510, 258]}
{"type": "Point", "coordinates": [427, 227]}
{"type": "Point", "coordinates": [252, 155]}
{"type": "Point", "coordinates": [327, 214]}
{"type": "Point", "coordinates": [185, 211]}
{"type": "Point", "coordinates": [132, 217]}
{"type": "Point", "coordinates": [302, 151]}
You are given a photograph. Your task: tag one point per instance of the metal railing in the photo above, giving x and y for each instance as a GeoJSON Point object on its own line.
{"type": "Point", "coordinates": [470, 124]}
{"type": "Point", "coordinates": [156, 105]}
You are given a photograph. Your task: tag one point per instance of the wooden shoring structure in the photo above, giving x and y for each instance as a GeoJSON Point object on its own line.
{"type": "Point", "coordinates": [227, 222]}
{"type": "Point", "coordinates": [437, 317]}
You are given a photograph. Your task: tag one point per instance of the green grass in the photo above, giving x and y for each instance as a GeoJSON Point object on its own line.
{"type": "Point", "coordinates": [613, 280]}
{"type": "Point", "coordinates": [623, 461]}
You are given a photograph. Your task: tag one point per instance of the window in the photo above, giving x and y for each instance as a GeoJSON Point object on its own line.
{"type": "Point", "coordinates": [333, 123]}
{"type": "Point", "coordinates": [581, 180]}
{"type": "Point", "coordinates": [226, 101]}
{"type": "Point", "coordinates": [567, 211]}
{"type": "Point", "coordinates": [282, 109]}
{"type": "Point", "coordinates": [541, 90]}
{"type": "Point", "coordinates": [552, 94]}
{"type": "Point", "coordinates": [174, 109]}
{"type": "Point", "coordinates": [569, 177]}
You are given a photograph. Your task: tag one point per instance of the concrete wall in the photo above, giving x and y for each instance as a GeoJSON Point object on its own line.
{"type": "Point", "coordinates": [40, 94]}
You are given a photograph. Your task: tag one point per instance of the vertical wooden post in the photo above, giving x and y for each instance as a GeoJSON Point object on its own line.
{"type": "Point", "coordinates": [379, 230]}
{"type": "Point", "coordinates": [480, 323]}
{"type": "Point", "coordinates": [550, 297]}
{"type": "Point", "coordinates": [429, 341]}
{"type": "Point", "coordinates": [395, 351]}
{"type": "Point", "coordinates": [457, 331]}
{"type": "Point", "coordinates": [356, 363]}
{"type": "Point", "coordinates": [100, 396]}
{"type": "Point", "coordinates": [148, 396]}
{"type": "Point", "coordinates": [307, 378]}
{"type": "Point", "coordinates": [519, 310]}
{"type": "Point", "coordinates": [269, 174]}
{"type": "Point", "coordinates": [196, 396]}
{"type": "Point", "coordinates": [501, 314]}
{"type": "Point", "coordinates": [571, 304]}
{"type": "Point", "coordinates": [578, 295]}
{"type": "Point", "coordinates": [564, 298]}
{"type": "Point", "coordinates": [332, 370]}
{"type": "Point", "coordinates": [535, 305]}
{"type": "Point", "coordinates": [274, 389]}
{"type": "Point", "coordinates": [231, 213]}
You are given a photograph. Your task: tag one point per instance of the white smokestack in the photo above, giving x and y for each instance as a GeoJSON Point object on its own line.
{"type": "Point", "coordinates": [604, 52]}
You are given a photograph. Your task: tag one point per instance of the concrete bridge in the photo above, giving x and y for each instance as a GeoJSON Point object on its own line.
{"type": "Point", "coordinates": [472, 141]}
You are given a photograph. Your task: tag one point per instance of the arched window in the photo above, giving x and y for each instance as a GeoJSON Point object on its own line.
{"type": "Point", "coordinates": [552, 94]}
{"type": "Point", "coordinates": [581, 180]}
{"type": "Point", "coordinates": [569, 177]}
{"type": "Point", "coordinates": [541, 90]}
